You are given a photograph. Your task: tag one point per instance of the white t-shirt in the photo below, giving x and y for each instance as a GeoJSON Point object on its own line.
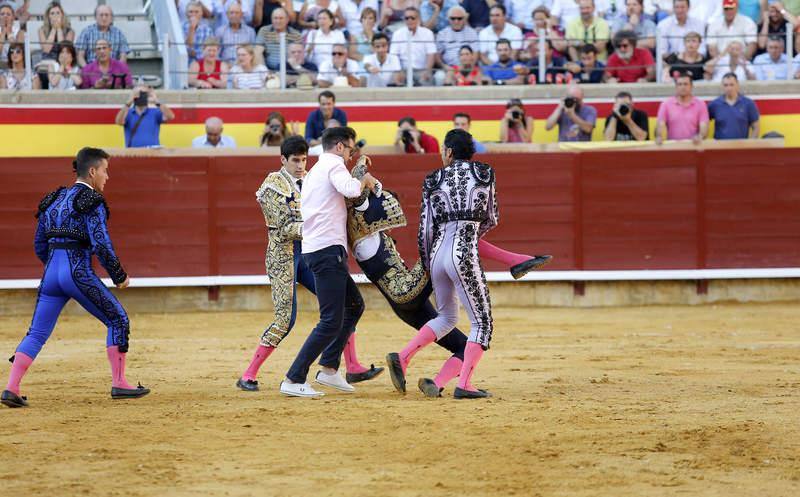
{"type": "Point", "coordinates": [422, 45]}
{"type": "Point", "coordinates": [320, 45]}
{"type": "Point", "coordinates": [388, 68]}
{"type": "Point", "coordinates": [488, 39]}
{"type": "Point", "coordinates": [253, 80]}
{"type": "Point", "coordinates": [328, 73]}
{"type": "Point", "coordinates": [566, 11]}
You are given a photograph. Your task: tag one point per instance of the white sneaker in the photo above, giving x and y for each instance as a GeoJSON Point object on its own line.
{"type": "Point", "coordinates": [299, 390]}
{"type": "Point", "coordinates": [334, 380]}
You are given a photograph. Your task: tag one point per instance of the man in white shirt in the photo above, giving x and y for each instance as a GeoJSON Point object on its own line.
{"type": "Point", "coordinates": [731, 27]}
{"type": "Point", "coordinates": [679, 24]}
{"type": "Point", "coordinates": [498, 28]}
{"type": "Point", "coordinates": [422, 52]}
{"type": "Point", "coordinates": [338, 69]}
{"type": "Point", "coordinates": [381, 67]}
{"type": "Point", "coordinates": [214, 137]}
{"type": "Point", "coordinates": [324, 213]}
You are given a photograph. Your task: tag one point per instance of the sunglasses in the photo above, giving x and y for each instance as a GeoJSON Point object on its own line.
{"type": "Point", "coordinates": [15, 50]}
{"type": "Point", "coordinates": [410, 18]}
{"type": "Point", "coordinates": [338, 53]}
{"type": "Point", "coordinates": [623, 45]}
{"type": "Point", "coordinates": [456, 18]}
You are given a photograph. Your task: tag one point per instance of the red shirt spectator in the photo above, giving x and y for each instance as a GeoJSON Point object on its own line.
{"type": "Point", "coordinates": [631, 70]}
{"type": "Point", "coordinates": [428, 143]}
{"type": "Point", "coordinates": [411, 140]}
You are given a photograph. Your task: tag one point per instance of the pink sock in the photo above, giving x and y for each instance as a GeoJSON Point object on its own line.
{"type": "Point", "coordinates": [488, 251]}
{"type": "Point", "coordinates": [21, 364]}
{"type": "Point", "coordinates": [450, 369]}
{"type": "Point", "coordinates": [472, 355]}
{"type": "Point", "coordinates": [350, 358]}
{"type": "Point", "coordinates": [117, 361]}
{"type": "Point", "coordinates": [259, 357]}
{"type": "Point", "coordinates": [425, 336]}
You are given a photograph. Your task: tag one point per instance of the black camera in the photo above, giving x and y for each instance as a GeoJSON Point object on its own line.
{"type": "Point", "coordinates": [407, 138]}
{"type": "Point", "coordinates": [275, 128]}
{"type": "Point", "coordinates": [141, 99]}
{"type": "Point", "coordinates": [516, 114]}
{"type": "Point", "coordinates": [624, 109]}
{"type": "Point", "coordinates": [360, 143]}
{"type": "Point", "coordinates": [570, 102]}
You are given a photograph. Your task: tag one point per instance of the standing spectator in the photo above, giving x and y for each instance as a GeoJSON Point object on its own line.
{"type": "Point", "coordinates": [102, 28]}
{"type": "Point", "coordinates": [731, 27]}
{"type": "Point", "coordinates": [588, 28]}
{"type": "Point", "coordinates": [772, 65]}
{"type": "Point", "coordinates": [674, 28]}
{"type": "Point", "coordinates": [450, 40]}
{"type": "Point", "coordinates": [17, 77]}
{"type": "Point", "coordinates": [516, 126]}
{"type": "Point", "coordinates": [520, 12]}
{"type": "Point", "coordinates": [506, 70]}
{"type": "Point", "coordinates": [382, 67]}
{"type": "Point", "coordinates": [733, 61]}
{"type": "Point", "coordinates": [411, 140]}
{"type": "Point", "coordinates": [478, 12]}
{"type": "Point", "coordinates": [105, 72]}
{"type": "Point", "coordinates": [467, 72]}
{"type": "Point", "coordinates": [67, 75]}
{"type": "Point", "coordinates": [461, 120]}
{"type": "Point", "coordinates": [209, 72]}
{"type": "Point", "coordinates": [195, 31]}
{"type": "Point", "coordinates": [553, 33]}
{"type": "Point", "coordinates": [321, 41]}
{"type": "Point", "coordinates": [498, 28]}
{"type": "Point", "coordinates": [10, 30]}
{"type": "Point", "coordinates": [276, 131]}
{"type": "Point", "coordinates": [434, 13]}
{"type": "Point", "coordinates": [339, 70]}
{"type": "Point", "coordinates": [634, 20]}
{"type": "Point", "coordinates": [214, 137]}
{"type": "Point", "coordinates": [246, 75]}
{"type": "Point", "coordinates": [54, 30]}
{"type": "Point", "coordinates": [298, 68]}
{"type": "Point", "coordinates": [575, 120]}
{"type": "Point", "coordinates": [269, 36]}
{"type": "Point", "coordinates": [589, 69]}
{"type": "Point", "coordinates": [235, 33]}
{"type": "Point", "coordinates": [141, 118]}
{"type": "Point", "coordinates": [315, 124]}
{"type": "Point", "coordinates": [776, 22]}
{"type": "Point", "coordinates": [263, 9]}
{"type": "Point", "coordinates": [735, 116]}
{"type": "Point", "coordinates": [690, 60]}
{"type": "Point", "coordinates": [626, 123]}
{"type": "Point", "coordinates": [628, 63]}
{"type": "Point", "coordinates": [565, 11]}
{"type": "Point", "coordinates": [684, 116]}
{"type": "Point", "coordinates": [361, 43]}
{"type": "Point", "coordinates": [353, 13]}
{"type": "Point", "coordinates": [422, 51]}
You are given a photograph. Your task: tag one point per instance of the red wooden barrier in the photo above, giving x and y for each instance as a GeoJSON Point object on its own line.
{"type": "Point", "coordinates": [197, 216]}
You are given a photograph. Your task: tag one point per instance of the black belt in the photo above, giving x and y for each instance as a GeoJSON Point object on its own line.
{"type": "Point", "coordinates": [69, 245]}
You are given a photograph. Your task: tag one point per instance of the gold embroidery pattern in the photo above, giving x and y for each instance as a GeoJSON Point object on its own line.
{"type": "Point", "coordinates": [392, 216]}
{"type": "Point", "coordinates": [401, 284]}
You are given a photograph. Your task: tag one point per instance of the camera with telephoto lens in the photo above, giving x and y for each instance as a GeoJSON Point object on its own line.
{"type": "Point", "coordinates": [275, 128]}
{"type": "Point", "coordinates": [570, 102]}
{"type": "Point", "coordinates": [141, 99]}
{"type": "Point", "coordinates": [624, 109]}
{"type": "Point", "coordinates": [407, 138]}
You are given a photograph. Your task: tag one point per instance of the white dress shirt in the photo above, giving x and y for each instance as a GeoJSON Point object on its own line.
{"type": "Point", "coordinates": [387, 70]}
{"type": "Point", "coordinates": [488, 39]}
{"type": "Point", "coordinates": [673, 32]}
{"type": "Point", "coordinates": [422, 45]}
{"type": "Point", "coordinates": [742, 29]}
{"type": "Point", "coordinates": [224, 142]}
{"type": "Point", "coordinates": [322, 203]}
{"type": "Point", "coordinates": [352, 14]}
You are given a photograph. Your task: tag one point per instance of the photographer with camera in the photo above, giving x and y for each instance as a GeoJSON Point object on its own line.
{"type": "Point", "coordinates": [411, 140]}
{"type": "Point", "coordinates": [575, 120]}
{"type": "Point", "coordinates": [626, 123]}
{"type": "Point", "coordinates": [516, 127]}
{"type": "Point", "coordinates": [141, 118]}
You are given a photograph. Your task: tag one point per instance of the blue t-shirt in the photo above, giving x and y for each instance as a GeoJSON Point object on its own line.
{"type": "Point", "coordinates": [480, 148]}
{"type": "Point", "coordinates": [315, 124]}
{"type": "Point", "coordinates": [148, 130]}
{"type": "Point", "coordinates": [501, 72]}
{"type": "Point", "coordinates": [732, 122]}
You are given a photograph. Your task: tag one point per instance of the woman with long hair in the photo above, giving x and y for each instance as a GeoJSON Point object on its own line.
{"type": "Point", "coordinates": [54, 30]}
{"type": "Point", "coordinates": [10, 30]}
{"type": "Point", "coordinates": [276, 130]}
{"type": "Point", "coordinates": [16, 77]}
{"type": "Point", "coordinates": [516, 127]}
{"type": "Point", "coordinates": [67, 75]}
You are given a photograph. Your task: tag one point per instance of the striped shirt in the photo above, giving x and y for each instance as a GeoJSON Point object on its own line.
{"type": "Point", "coordinates": [253, 80]}
{"type": "Point", "coordinates": [270, 38]}
{"type": "Point", "coordinates": [231, 38]}
{"type": "Point", "coordinates": [89, 36]}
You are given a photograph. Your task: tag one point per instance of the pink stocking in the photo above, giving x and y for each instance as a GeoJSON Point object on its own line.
{"type": "Point", "coordinates": [472, 355]}
{"type": "Point", "coordinates": [21, 364]}
{"type": "Point", "coordinates": [350, 358]}
{"type": "Point", "coordinates": [450, 369]}
{"type": "Point", "coordinates": [425, 336]}
{"type": "Point", "coordinates": [488, 251]}
{"type": "Point", "coordinates": [117, 361]}
{"type": "Point", "coordinates": [259, 357]}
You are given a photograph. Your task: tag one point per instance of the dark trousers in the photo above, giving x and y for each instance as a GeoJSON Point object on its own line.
{"type": "Point", "coordinates": [340, 307]}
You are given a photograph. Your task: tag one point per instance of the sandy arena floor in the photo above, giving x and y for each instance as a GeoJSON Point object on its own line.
{"type": "Point", "coordinates": [652, 401]}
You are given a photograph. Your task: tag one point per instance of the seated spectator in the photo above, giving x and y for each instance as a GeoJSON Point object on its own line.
{"type": "Point", "coordinates": [628, 63]}
{"type": "Point", "coordinates": [772, 65]}
{"type": "Point", "coordinates": [706, 11]}
{"type": "Point", "coordinates": [214, 137]}
{"type": "Point", "coordinates": [393, 14]}
{"type": "Point", "coordinates": [626, 123]}
{"type": "Point", "coordinates": [674, 28]}
{"type": "Point", "coordinates": [411, 140]}
{"type": "Point", "coordinates": [589, 69]}
{"type": "Point", "coordinates": [461, 120]}
{"type": "Point", "coordinates": [141, 118]}
{"type": "Point", "coordinates": [54, 31]}
{"type": "Point", "coordinates": [467, 72]}
{"type": "Point", "coordinates": [235, 33]}
{"type": "Point", "coordinates": [575, 120]}
{"type": "Point", "coordinates": [298, 68]}
{"type": "Point", "coordinates": [17, 77]}
{"type": "Point", "coordinates": [317, 150]}
{"type": "Point", "coordinates": [248, 12]}
{"type": "Point", "coordinates": [796, 66]}
{"type": "Point", "coordinates": [67, 75]}
{"type": "Point", "coordinates": [276, 131]}
{"type": "Point", "coordinates": [520, 12]}
{"type": "Point", "coordinates": [361, 43]}
{"type": "Point", "coordinates": [553, 33]}
{"type": "Point", "coordinates": [634, 20]}
{"type": "Point", "coordinates": [775, 22]}
{"type": "Point", "coordinates": [498, 28]}
{"type": "Point", "coordinates": [209, 72]}
{"type": "Point", "coordinates": [102, 28]}
{"type": "Point", "coordinates": [735, 116]}
{"type": "Point", "coordinates": [320, 42]}
{"type": "Point", "coordinates": [684, 116]}
{"type": "Point", "coordinates": [588, 28]}
{"type": "Point", "coordinates": [339, 71]}
{"type": "Point", "coordinates": [263, 9]}
{"type": "Point", "coordinates": [10, 30]}
{"type": "Point", "coordinates": [269, 37]}
{"type": "Point", "coordinates": [733, 61]}
{"type": "Point", "coordinates": [315, 123]}
{"type": "Point", "coordinates": [565, 11]}
{"type": "Point", "coordinates": [382, 68]}
{"type": "Point", "coordinates": [245, 74]}
{"type": "Point", "coordinates": [353, 13]}
{"type": "Point", "coordinates": [423, 47]}
{"type": "Point", "coordinates": [731, 27]}
{"type": "Point", "coordinates": [308, 18]}
{"type": "Point", "coordinates": [105, 72]}
{"type": "Point", "coordinates": [555, 72]}
{"type": "Point", "coordinates": [506, 70]}
{"type": "Point", "coordinates": [450, 40]}
{"type": "Point", "coordinates": [434, 13]}
{"type": "Point", "coordinates": [477, 12]}
{"type": "Point", "coordinates": [20, 8]}
{"type": "Point", "coordinates": [195, 31]}
{"type": "Point", "coordinates": [516, 127]}
{"type": "Point", "coordinates": [689, 61]}
{"type": "Point", "coordinates": [212, 12]}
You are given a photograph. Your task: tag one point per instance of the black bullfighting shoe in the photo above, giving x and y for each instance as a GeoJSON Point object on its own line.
{"type": "Point", "coordinates": [396, 371]}
{"type": "Point", "coordinates": [460, 393]}
{"type": "Point", "coordinates": [429, 388]}
{"type": "Point", "coordinates": [129, 393]}
{"type": "Point", "coordinates": [371, 373]}
{"type": "Point", "coordinates": [11, 399]}
{"type": "Point", "coordinates": [247, 385]}
{"type": "Point", "coordinates": [523, 268]}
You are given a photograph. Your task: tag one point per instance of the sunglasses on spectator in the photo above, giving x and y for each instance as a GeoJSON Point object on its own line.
{"type": "Point", "coordinates": [456, 18]}
{"type": "Point", "coordinates": [623, 45]}
{"type": "Point", "coordinates": [16, 50]}
{"type": "Point", "coordinates": [410, 18]}
{"type": "Point", "coordinates": [338, 53]}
